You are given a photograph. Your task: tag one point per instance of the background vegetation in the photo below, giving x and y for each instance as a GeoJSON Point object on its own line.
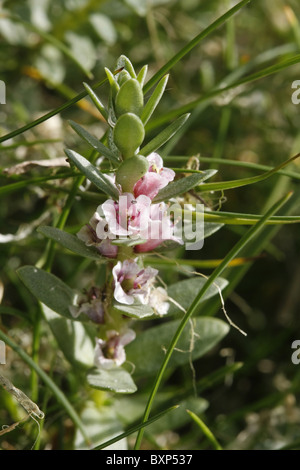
{"type": "Point", "coordinates": [247, 387]}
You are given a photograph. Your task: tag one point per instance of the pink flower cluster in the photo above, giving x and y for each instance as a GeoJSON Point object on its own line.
{"type": "Point", "coordinates": [132, 282]}
{"type": "Point", "coordinates": [134, 216]}
{"type": "Point", "coordinates": [146, 224]}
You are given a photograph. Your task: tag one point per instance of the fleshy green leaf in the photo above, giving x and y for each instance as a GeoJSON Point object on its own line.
{"type": "Point", "coordinates": [183, 185]}
{"type": "Point", "coordinates": [102, 425]}
{"type": "Point", "coordinates": [136, 310]}
{"type": "Point", "coordinates": [123, 76]}
{"type": "Point", "coordinates": [164, 136]}
{"type": "Point", "coordinates": [75, 339]}
{"type": "Point", "coordinates": [93, 174]}
{"type": "Point", "coordinates": [184, 292]}
{"type": "Point", "coordinates": [49, 289]}
{"type": "Point", "coordinates": [128, 134]}
{"type": "Point", "coordinates": [147, 350]}
{"type": "Point", "coordinates": [154, 99]}
{"type": "Point", "coordinates": [116, 380]}
{"type": "Point", "coordinates": [128, 241]}
{"type": "Point", "coordinates": [130, 98]}
{"type": "Point", "coordinates": [123, 61]}
{"type": "Point", "coordinates": [167, 245]}
{"type": "Point", "coordinates": [130, 171]}
{"type": "Point", "coordinates": [142, 75]}
{"type": "Point", "coordinates": [94, 142]}
{"type": "Point", "coordinates": [70, 241]}
{"type": "Point", "coordinates": [112, 81]}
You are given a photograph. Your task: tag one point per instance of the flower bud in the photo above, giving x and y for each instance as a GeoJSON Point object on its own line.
{"type": "Point", "coordinates": [123, 76]}
{"type": "Point", "coordinates": [128, 134]}
{"type": "Point", "coordinates": [130, 171]}
{"type": "Point", "coordinates": [130, 98]}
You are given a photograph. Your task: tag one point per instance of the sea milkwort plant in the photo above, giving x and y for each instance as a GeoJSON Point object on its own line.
{"type": "Point", "coordinates": [146, 211]}
{"type": "Point", "coordinates": [143, 213]}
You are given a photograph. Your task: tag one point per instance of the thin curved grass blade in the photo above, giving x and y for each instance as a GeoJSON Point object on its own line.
{"type": "Point", "coordinates": [244, 240]}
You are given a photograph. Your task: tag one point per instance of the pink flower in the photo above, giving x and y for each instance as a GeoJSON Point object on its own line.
{"type": "Point", "coordinates": [132, 282]}
{"type": "Point", "coordinates": [149, 225]}
{"type": "Point", "coordinates": [91, 304]}
{"type": "Point", "coordinates": [161, 228]}
{"type": "Point", "coordinates": [155, 179]}
{"type": "Point", "coordinates": [159, 300]}
{"type": "Point", "coordinates": [88, 234]}
{"type": "Point", "coordinates": [110, 353]}
{"type": "Point", "coordinates": [127, 217]}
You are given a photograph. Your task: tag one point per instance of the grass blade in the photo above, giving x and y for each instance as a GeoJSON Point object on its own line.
{"type": "Point", "coordinates": [52, 113]}
{"type": "Point", "coordinates": [164, 136]}
{"type": "Point", "coordinates": [196, 263]}
{"type": "Point", "coordinates": [244, 240]}
{"type": "Point", "coordinates": [206, 431]}
{"type": "Point", "coordinates": [221, 186]}
{"type": "Point", "coordinates": [231, 218]}
{"type": "Point", "coordinates": [271, 70]}
{"type": "Point", "coordinates": [12, 187]}
{"type": "Point", "coordinates": [60, 396]}
{"type": "Point", "coordinates": [49, 115]}
{"type": "Point", "coordinates": [229, 162]}
{"type": "Point", "coordinates": [134, 429]}
{"type": "Point", "coordinates": [193, 43]}
{"type": "Point", "coordinates": [97, 102]}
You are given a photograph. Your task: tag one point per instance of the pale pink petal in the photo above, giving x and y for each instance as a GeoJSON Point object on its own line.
{"type": "Point", "coordinates": [155, 179]}
{"type": "Point", "coordinates": [107, 249]}
{"type": "Point", "coordinates": [96, 233]}
{"type": "Point", "coordinates": [158, 300]}
{"type": "Point", "coordinates": [127, 337]}
{"type": "Point", "coordinates": [138, 288]}
{"type": "Point", "coordinates": [121, 296]}
{"type": "Point", "coordinates": [149, 185]}
{"type": "Point", "coordinates": [114, 343]}
{"type": "Point", "coordinates": [155, 159]}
